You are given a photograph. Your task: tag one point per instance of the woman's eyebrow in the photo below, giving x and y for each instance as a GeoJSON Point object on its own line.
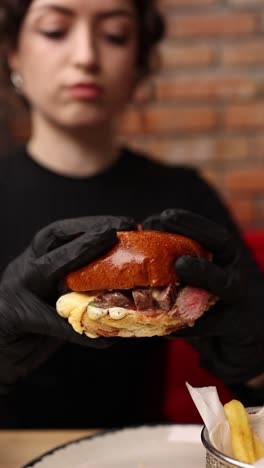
{"type": "Point", "coordinates": [56, 8]}
{"type": "Point", "coordinates": [117, 12]}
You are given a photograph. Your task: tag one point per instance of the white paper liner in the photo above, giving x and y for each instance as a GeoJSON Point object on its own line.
{"type": "Point", "coordinates": [212, 412]}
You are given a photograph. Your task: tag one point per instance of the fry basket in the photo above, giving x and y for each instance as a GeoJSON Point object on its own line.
{"type": "Point", "coordinates": [216, 459]}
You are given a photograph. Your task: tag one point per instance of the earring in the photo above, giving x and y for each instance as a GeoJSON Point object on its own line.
{"type": "Point", "coordinates": [144, 92]}
{"type": "Point", "coordinates": [17, 81]}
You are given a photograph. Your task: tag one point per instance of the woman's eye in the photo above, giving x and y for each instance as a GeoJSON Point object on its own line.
{"type": "Point", "coordinates": [117, 39]}
{"type": "Point", "coordinates": [56, 34]}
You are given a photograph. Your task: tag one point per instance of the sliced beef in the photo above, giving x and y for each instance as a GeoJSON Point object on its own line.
{"type": "Point", "coordinates": [191, 303]}
{"type": "Point", "coordinates": [166, 297]}
{"type": "Point", "coordinates": [113, 299]}
{"type": "Point", "coordinates": [143, 299]}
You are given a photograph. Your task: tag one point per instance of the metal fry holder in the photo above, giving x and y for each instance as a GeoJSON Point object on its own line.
{"type": "Point", "coordinates": [217, 459]}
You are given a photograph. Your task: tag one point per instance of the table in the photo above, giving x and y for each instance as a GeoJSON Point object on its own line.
{"type": "Point", "coordinates": [19, 447]}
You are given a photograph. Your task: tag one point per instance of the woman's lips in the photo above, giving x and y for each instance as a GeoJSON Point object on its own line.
{"type": "Point", "coordinates": [86, 91]}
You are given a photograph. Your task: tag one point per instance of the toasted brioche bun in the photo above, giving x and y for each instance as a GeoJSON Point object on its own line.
{"type": "Point", "coordinates": [139, 258]}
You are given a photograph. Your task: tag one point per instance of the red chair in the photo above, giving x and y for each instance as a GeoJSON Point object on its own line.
{"type": "Point", "coordinates": [183, 363]}
{"type": "Point", "coordinates": [255, 241]}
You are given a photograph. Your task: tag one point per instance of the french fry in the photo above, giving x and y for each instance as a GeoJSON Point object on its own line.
{"type": "Point", "coordinates": [241, 434]}
{"type": "Point", "coordinates": [259, 447]}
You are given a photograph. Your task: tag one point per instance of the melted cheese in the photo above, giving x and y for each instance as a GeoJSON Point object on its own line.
{"type": "Point", "coordinates": [73, 305]}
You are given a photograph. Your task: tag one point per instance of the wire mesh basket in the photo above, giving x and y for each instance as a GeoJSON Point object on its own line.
{"type": "Point", "coordinates": [216, 459]}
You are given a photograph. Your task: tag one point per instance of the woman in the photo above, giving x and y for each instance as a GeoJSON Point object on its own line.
{"type": "Point", "coordinates": [76, 64]}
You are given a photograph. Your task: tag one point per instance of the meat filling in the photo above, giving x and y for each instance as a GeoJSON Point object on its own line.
{"type": "Point", "coordinates": [187, 302]}
{"type": "Point", "coordinates": [166, 297]}
{"type": "Point", "coordinates": [113, 299]}
{"type": "Point", "coordinates": [143, 299]}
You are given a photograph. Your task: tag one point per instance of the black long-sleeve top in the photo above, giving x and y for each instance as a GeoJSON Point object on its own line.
{"type": "Point", "coordinates": [80, 387]}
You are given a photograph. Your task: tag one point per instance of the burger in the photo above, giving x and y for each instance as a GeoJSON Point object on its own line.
{"type": "Point", "coordinates": [133, 290]}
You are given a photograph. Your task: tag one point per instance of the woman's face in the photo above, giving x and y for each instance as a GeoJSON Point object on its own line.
{"type": "Point", "coordinates": [78, 59]}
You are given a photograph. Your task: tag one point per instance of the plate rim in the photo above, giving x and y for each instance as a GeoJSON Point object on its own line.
{"type": "Point", "coordinates": [101, 433]}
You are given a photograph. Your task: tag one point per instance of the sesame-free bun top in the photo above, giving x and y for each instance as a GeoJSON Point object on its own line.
{"type": "Point", "coordinates": [139, 258]}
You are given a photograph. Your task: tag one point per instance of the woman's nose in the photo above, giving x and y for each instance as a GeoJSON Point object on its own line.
{"type": "Point", "coordinates": [85, 53]}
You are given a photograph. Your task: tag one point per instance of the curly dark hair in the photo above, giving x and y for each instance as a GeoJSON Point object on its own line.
{"type": "Point", "coordinates": [151, 29]}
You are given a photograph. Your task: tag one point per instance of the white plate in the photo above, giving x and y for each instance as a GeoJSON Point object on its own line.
{"type": "Point", "coordinates": [167, 446]}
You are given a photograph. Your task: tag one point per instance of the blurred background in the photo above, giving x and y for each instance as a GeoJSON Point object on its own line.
{"type": "Point", "coordinates": [205, 107]}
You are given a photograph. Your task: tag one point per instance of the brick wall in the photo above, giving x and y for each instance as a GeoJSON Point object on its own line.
{"type": "Point", "coordinates": [206, 107]}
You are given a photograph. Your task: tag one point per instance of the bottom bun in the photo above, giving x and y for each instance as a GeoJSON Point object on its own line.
{"type": "Point", "coordinates": [137, 324]}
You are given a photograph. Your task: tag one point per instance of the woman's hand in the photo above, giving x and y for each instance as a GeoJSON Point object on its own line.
{"type": "Point", "coordinates": [231, 333]}
{"type": "Point", "coordinates": [30, 328]}
{"type": "Point", "coordinates": [222, 276]}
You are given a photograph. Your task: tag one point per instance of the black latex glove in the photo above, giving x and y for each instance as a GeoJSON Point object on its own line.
{"type": "Point", "coordinates": [232, 331]}
{"type": "Point", "coordinates": [30, 328]}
